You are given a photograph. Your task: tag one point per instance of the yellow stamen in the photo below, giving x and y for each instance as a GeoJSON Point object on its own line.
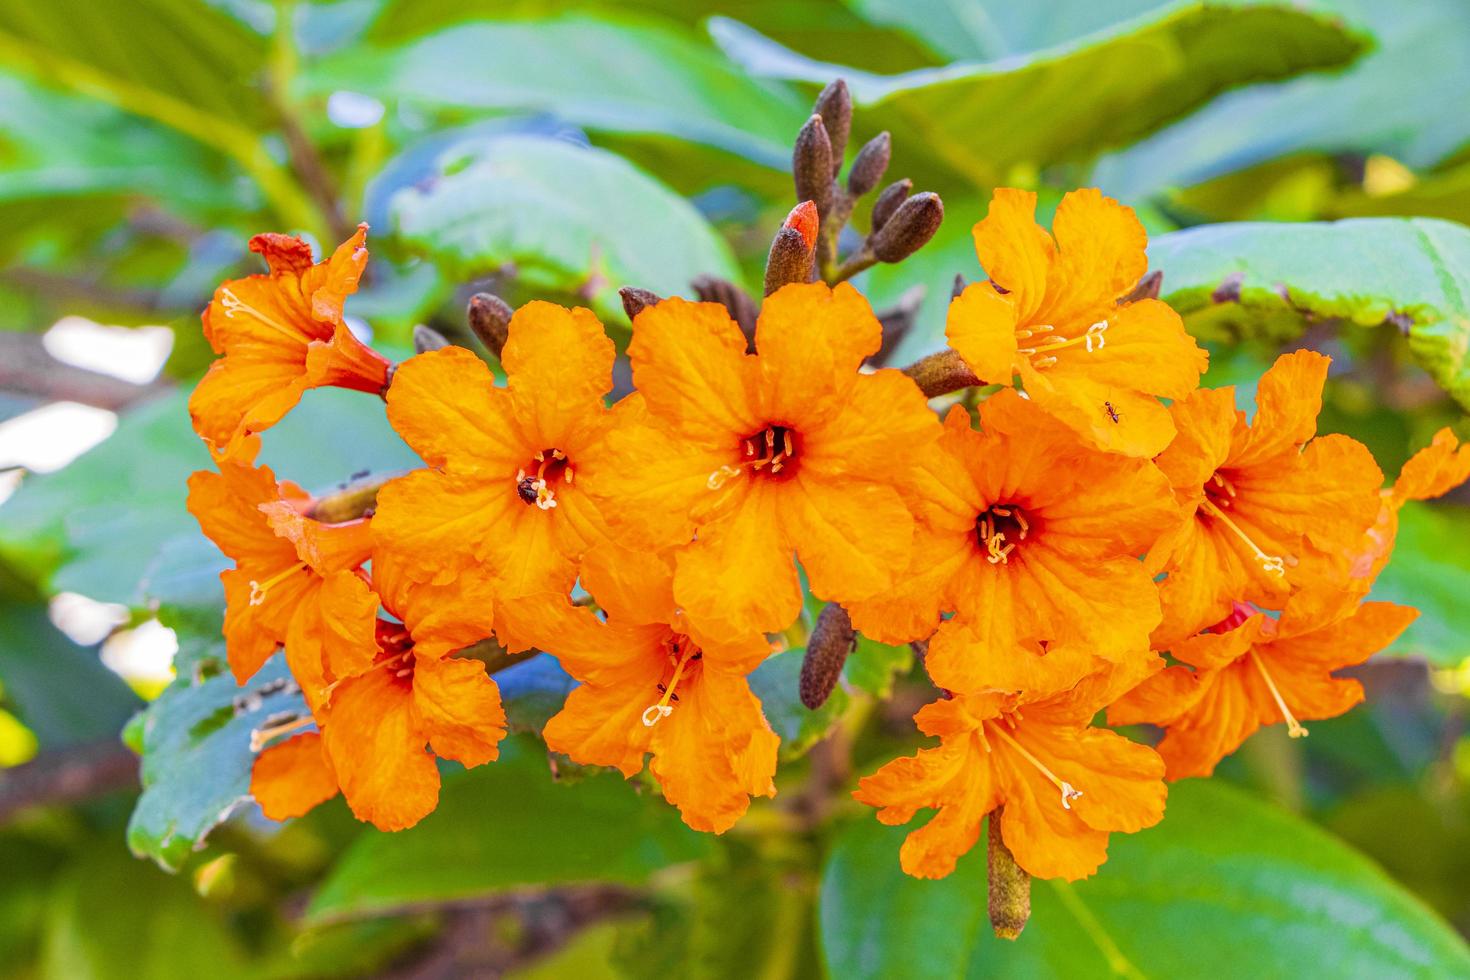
{"type": "Point", "coordinates": [259, 589]}
{"type": "Point", "coordinates": [1273, 564]}
{"type": "Point", "coordinates": [1293, 727]}
{"type": "Point", "coordinates": [654, 712]}
{"type": "Point", "coordinates": [1069, 792]}
{"type": "Point", "coordinates": [261, 736]}
{"type": "Point", "coordinates": [233, 304]}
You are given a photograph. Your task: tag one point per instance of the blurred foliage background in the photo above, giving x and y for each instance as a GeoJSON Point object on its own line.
{"type": "Point", "coordinates": [561, 149]}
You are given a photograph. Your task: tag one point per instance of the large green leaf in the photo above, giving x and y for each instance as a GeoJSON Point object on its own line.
{"type": "Point", "coordinates": [777, 682]}
{"type": "Point", "coordinates": [1392, 101]}
{"type": "Point", "coordinates": [1430, 570]}
{"type": "Point", "coordinates": [565, 216]}
{"type": "Point", "coordinates": [197, 758]}
{"type": "Point", "coordinates": [971, 124]}
{"type": "Point", "coordinates": [112, 918]}
{"type": "Point", "coordinates": [1411, 272]}
{"type": "Point", "coordinates": [621, 76]}
{"type": "Point", "coordinates": [508, 825]}
{"type": "Point", "coordinates": [1225, 886]}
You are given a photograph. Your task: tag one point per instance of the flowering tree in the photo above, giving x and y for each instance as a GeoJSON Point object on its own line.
{"type": "Point", "coordinates": [963, 527]}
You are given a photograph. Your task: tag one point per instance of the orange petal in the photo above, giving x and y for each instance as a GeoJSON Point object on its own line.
{"type": "Point", "coordinates": [739, 575]}
{"type": "Point", "coordinates": [911, 610]}
{"type": "Point", "coordinates": [346, 362]}
{"type": "Point", "coordinates": [559, 364]}
{"type": "Point", "coordinates": [445, 405]}
{"type": "Point", "coordinates": [245, 394]}
{"type": "Point", "coordinates": [811, 340]}
{"type": "Point", "coordinates": [1161, 699]}
{"type": "Point", "coordinates": [254, 631]}
{"type": "Point", "coordinates": [1122, 782]}
{"type": "Point", "coordinates": [437, 524]}
{"type": "Point", "coordinates": [602, 726]}
{"type": "Point", "coordinates": [1434, 470]}
{"type": "Point", "coordinates": [377, 750]}
{"type": "Point", "coordinates": [1014, 250]}
{"type": "Point", "coordinates": [458, 705]}
{"type": "Point", "coordinates": [1288, 400]}
{"type": "Point", "coordinates": [853, 538]}
{"type": "Point", "coordinates": [981, 327]}
{"type": "Point", "coordinates": [292, 778]}
{"type": "Point", "coordinates": [1109, 417]}
{"type": "Point", "coordinates": [1046, 839]}
{"type": "Point", "coordinates": [441, 618]}
{"type": "Point", "coordinates": [1099, 256]}
{"type": "Point", "coordinates": [689, 364]}
{"type": "Point", "coordinates": [883, 427]}
{"type": "Point", "coordinates": [633, 586]}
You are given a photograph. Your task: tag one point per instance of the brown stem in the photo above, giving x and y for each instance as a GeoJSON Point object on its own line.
{"type": "Point", "coordinates": [78, 772]}
{"type": "Point", "coordinates": [26, 368]}
{"type": "Point", "coordinates": [858, 261]}
{"type": "Point", "coordinates": [942, 373]}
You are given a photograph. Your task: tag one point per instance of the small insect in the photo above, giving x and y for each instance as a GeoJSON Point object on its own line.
{"type": "Point", "coordinates": [1112, 412]}
{"type": "Point", "coordinates": [526, 489]}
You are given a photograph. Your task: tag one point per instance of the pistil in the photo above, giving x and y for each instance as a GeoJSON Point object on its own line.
{"type": "Point", "coordinates": [1273, 564]}
{"type": "Point", "coordinates": [662, 708]}
{"type": "Point", "coordinates": [1068, 791]}
{"type": "Point", "coordinates": [1294, 728]}
{"type": "Point", "coordinates": [258, 590]}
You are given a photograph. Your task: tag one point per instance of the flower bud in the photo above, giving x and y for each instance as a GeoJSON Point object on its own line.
{"type": "Point", "coordinates": [893, 195]}
{"type": "Point", "coordinates": [743, 311]}
{"type": "Point", "coordinates": [1148, 288]}
{"type": "Point", "coordinates": [793, 249]}
{"type": "Point", "coordinates": [958, 287]}
{"type": "Point", "coordinates": [635, 300]}
{"type": "Point", "coordinates": [870, 165]}
{"type": "Point", "coordinates": [426, 338]}
{"type": "Point", "coordinates": [827, 648]}
{"type": "Point", "coordinates": [834, 105]}
{"type": "Point", "coordinates": [811, 165]}
{"type": "Point", "coordinates": [1010, 885]}
{"type": "Point", "coordinates": [909, 229]}
{"type": "Point", "coordinates": [489, 317]}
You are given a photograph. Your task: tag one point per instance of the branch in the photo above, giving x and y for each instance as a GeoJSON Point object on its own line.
{"type": "Point", "coordinates": [26, 368]}
{"type": "Point", "coordinates": [942, 373]}
{"type": "Point", "coordinates": [78, 772]}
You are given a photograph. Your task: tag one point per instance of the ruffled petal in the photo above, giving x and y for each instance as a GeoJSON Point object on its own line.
{"type": "Point", "coordinates": [1434, 470]}
{"type": "Point", "coordinates": [436, 525]}
{"type": "Point", "coordinates": [559, 364]}
{"type": "Point", "coordinates": [853, 538]}
{"type": "Point", "coordinates": [1014, 250]}
{"type": "Point", "coordinates": [1121, 782]}
{"type": "Point", "coordinates": [457, 704]}
{"type": "Point", "coordinates": [1100, 255]}
{"type": "Point", "coordinates": [377, 750]}
{"type": "Point", "coordinates": [245, 393]}
{"type": "Point", "coordinates": [811, 340]}
{"type": "Point", "coordinates": [739, 575]}
{"type": "Point", "coordinates": [293, 778]}
{"type": "Point", "coordinates": [634, 586]}
{"type": "Point", "coordinates": [445, 405]}
{"type": "Point", "coordinates": [1288, 401]}
{"type": "Point", "coordinates": [689, 363]}
{"type": "Point", "coordinates": [981, 327]}
{"type": "Point", "coordinates": [883, 427]}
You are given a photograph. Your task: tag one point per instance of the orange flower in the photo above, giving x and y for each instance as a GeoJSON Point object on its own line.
{"type": "Point", "coordinates": [1064, 785]}
{"type": "Point", "coordinates": [1259, 501]}
{"type": "Point", "coordinates": [752, 457]}
{"type": "Point", "coordinates": [412, 693]}
{"type": "Point", "coordinates": [1031, 537]}
{"type": "Point", "coordinates": [280, 334]}
{"type": "Point", "coordinates": [652, 683]}
{"type": "Point", "coordinates": [506, 493]}
{"type": "Point", "coordinates": [1252, 670]}
{"type": "Point", "coordinates": [1050, 313]}
{"type": "Point", "coordinates": [294, 580]}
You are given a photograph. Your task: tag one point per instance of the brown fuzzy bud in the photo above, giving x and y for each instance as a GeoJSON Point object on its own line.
{"type": "Point", "coordinates": [489, 317]}
{"type": "Point", "coordinates": [426, 338]}
{"type": "Point", "coordinates": [636, 300]}
{"type": "Point", "coordinates": [888, 202]}
{"type": "Point", "coordinates": [909, 229]}
{"type": "Point", "coordinates": [958, 287]}
{"type": "Point", "coordinates": [743, 310]}
{"type": "Point", "coordinates": [793, 249]}
{"type": "Point", "coordinates": [834, 105]}
{"type": "Point", "coordinates": [811, 165]}
{"type": "Point", "coordinates": [827, 648]}
{"type": "Point", "coordinates": [870, 165]}
{"type": "Point", "coordinates": [1148, 288]}
{"type": "Point", "coordinates": [1010, 885]}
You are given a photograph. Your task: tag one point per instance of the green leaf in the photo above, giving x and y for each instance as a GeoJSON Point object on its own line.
{"type": "Point", "coordinates": [874, 666]}
{"type": "Point", "coordinates": [975, 122]}
{"type": "Point", "coordinates": [777, 683]}
{"type": "Point", "coordinates": [1362, 271]}
{"type": "Point", "coordinates": [61, 691]}
{"type": "Point", "coordinates": [507, 825]}
{"type": "Point", "coordinates": [1392, 101]}
{"type": "Point", "coordinates": [113, 918]}
{"type": "Point", "coordinates": [197, 757]}
{"type": "Point", "coordinates": [621, 76]}
{"type": "Point", "coordinates": [1225, 886]}
{"type": "Point", "coordinates": [565, 216]}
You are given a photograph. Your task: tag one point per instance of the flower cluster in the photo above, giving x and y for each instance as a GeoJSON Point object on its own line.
{"type": "Point", "coordinates": [1099, 534]}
